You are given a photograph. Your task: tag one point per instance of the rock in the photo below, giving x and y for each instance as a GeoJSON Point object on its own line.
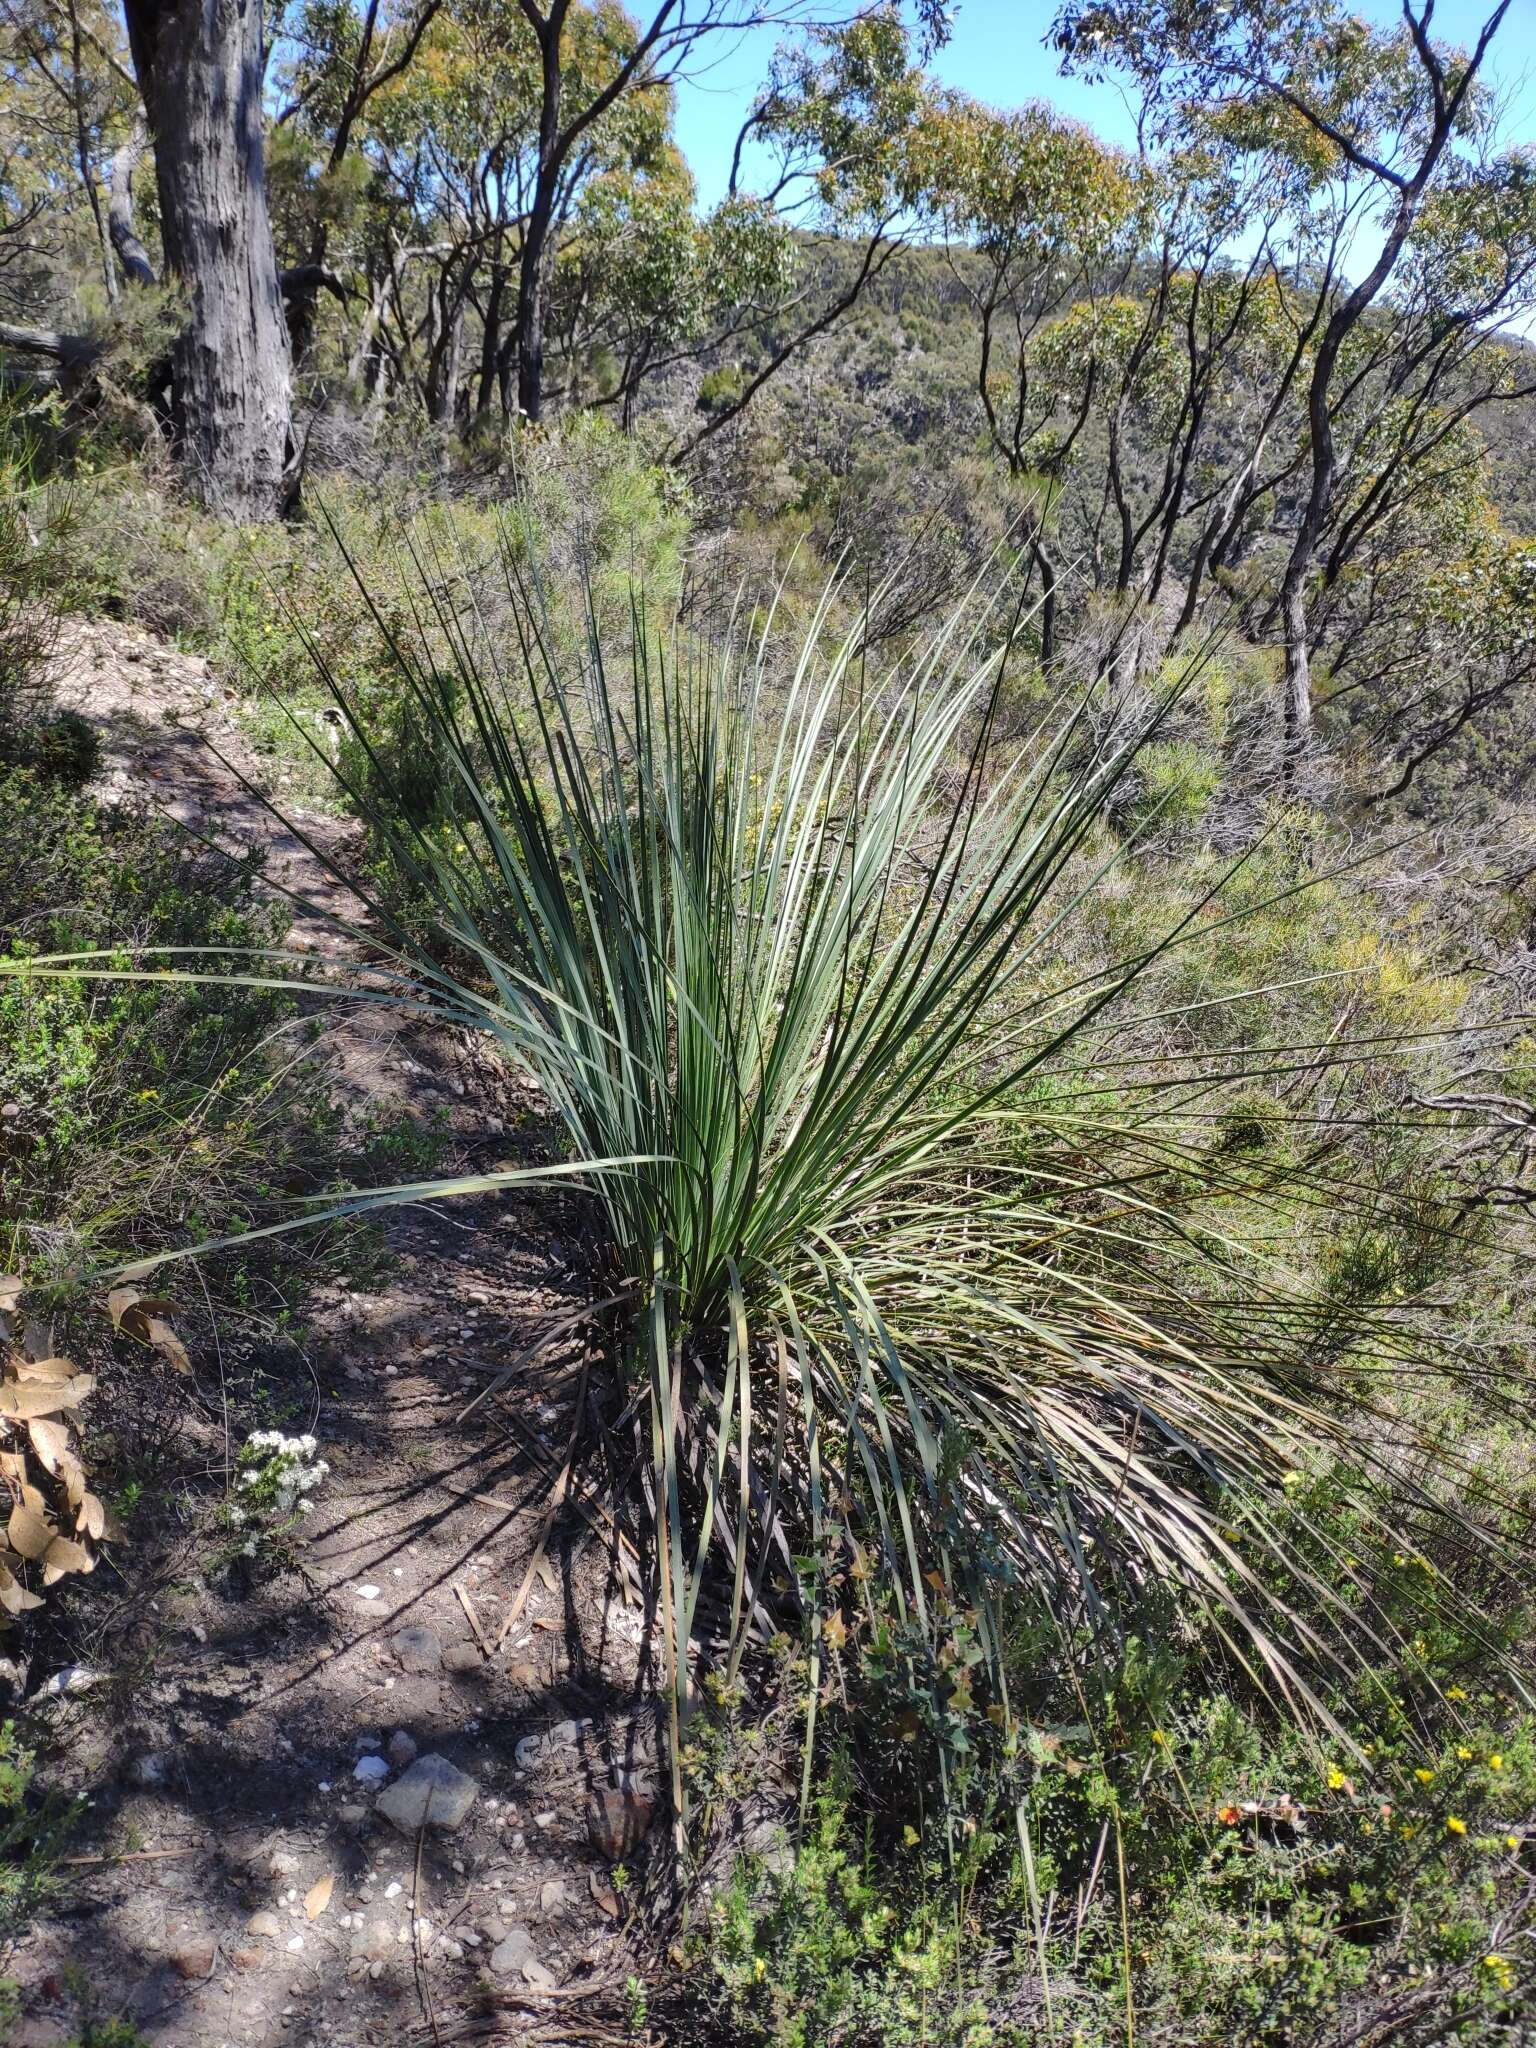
{"type": "Point", "coordinates": [417, 1649]}
{"type": "Point", "coordinates": [513, 1950]}
{"type": "Point", "coordinates": [551, 1895]}
{"type": "Point", "coordinates": [264, 1923]}
{"type": "Point", "coordinates": [192, 1955]}
{"type": "Point", "coordinates": [281, 1864]}
{"type": "Point", "coordinates": [402, 1749]}
{"type": "Point", "coordinates": [527, 1752]}
{"type": "Point", "coordinates": [618, 1822]}
{"type": "Point", "coordinates": [563, 1732]}
{"type": "Point", "coordinates": [534, 1973]}
{"type": "Point", "coordinates": [462, 1658]}
{"type": "Point", "coordinates": [73, 1678]}
{"type": "Point", "coordinates": [370, 1770]}
{"type": "Point", "coordinates": [373, 1939]}
{"type": "Point", "coordinates": [149, 1771]}
{"type": "Point", "coordinates": [769, 1844]}
{"type": "Point", "coordinates": [431, 1791]}
{"type": "Point", "coordinates": [246, 1958]}
{"type": "Point", "coordinates": [352, 1815]}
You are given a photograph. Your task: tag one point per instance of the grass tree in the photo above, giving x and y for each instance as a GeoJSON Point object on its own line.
{"type": "Point", "coordinates": [905, 1293]}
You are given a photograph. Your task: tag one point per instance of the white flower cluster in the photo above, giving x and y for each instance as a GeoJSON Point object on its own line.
{"type": "Point", "coordinates": [276, 1473]}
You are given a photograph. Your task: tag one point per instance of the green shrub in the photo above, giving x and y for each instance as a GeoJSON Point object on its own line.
{"type": "Point", "coordinates": [134, 1111]}
{"type": "Point", "coordinates": [1175, 783]}
{"type": "Point", "coordinates": [34, 1827]}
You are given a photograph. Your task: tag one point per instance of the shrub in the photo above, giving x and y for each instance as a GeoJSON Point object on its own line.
{"type": "Point", "coordinates": [133, 1113]}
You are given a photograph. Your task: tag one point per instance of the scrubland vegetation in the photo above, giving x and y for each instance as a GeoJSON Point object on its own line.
{"type": "Point", "coordinates": [973, 741]}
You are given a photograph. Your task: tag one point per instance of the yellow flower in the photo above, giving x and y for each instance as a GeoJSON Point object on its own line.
{"type": "Point", "coordinates": [1464, 1754]}
{"type": "Point", "coordinates": [1336, 1778]}
{"type": "Point", "coordinates": [1511, 1841]}
{"type": "Point", "coordinates": [1159, 1737]}
{"type": "Point", "coordinates": [1455, 1692]}
{"type": "Point", "coordinates": [1494, 1962]}
{"type": "Point", "coordinates": [759, 1970]}
{"type": "Point", "coordinates": [1495, 1762]}
{"type": "Point", "coordinates": [1424, 1776]}
{"type": "Point", "coordinates": [1455, 1825]}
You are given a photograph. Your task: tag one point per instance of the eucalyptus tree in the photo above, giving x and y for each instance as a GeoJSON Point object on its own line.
{"type": "Point", "coordinates": [200, 66]}
{"type": "Point", "coordinates": [1048, 218]}
{"type": "Point", "coordinates": [1385, 132]}
{"type": "Point", "coordinates": [846, 123]}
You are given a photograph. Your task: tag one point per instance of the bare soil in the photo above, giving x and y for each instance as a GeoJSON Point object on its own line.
{"type": "Point", "coordinates": [248, 1889]}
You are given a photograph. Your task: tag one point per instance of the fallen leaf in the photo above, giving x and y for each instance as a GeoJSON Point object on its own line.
{"type": "Point", "coordinates": [27, 1532]}
{"type": "Point", "coordinates": [318, 1897]}
{"type": "Point", "coordinates": [50, 1441]}
{"type": "Point", "coordinates": [168, 1344]}
{"type": "Point", "coordinates": [63, 1556]}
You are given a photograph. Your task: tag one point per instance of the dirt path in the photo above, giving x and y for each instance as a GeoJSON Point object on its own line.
{"type": "Point", "coordinates": [240, 1760]}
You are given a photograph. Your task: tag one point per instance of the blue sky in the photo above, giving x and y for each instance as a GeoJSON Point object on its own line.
{"type": "Point", "coordinates": [996, 54]}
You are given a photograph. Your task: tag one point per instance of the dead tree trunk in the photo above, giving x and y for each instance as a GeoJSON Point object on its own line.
{"type": "Point", "coordinates": [199, 65]}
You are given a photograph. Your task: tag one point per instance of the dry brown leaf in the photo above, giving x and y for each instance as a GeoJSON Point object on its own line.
{"type": "Point", "coordinates": [91, 1516]}
{"type": "Point", "coordinates": [63, 1556]}
{"type": "Point", "coordinates": [23, 1403]}
{"type": "Point", "coordinates": [49, 1371]}
{"type": "Point", "coordinates": [318, 1897]}
{"type": "Point", "coordinates": [168, 1344]}
{"type": "Point", "coordinates": [50, 1444]}
{"type": "Point", "coordinates": [14, 1597]}
{"type": "Point", "coordinates": [143, 1316]}
{"type": "Point", "coordinates": [28, 1534]}
{"type": "Point", "coordinates": [11, 1290]}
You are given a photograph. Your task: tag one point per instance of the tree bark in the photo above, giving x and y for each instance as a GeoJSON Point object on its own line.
{"type": "Point", "coordinates": [200, 65]}
{"type": "Point", "coordinates": [131, 252]}
{"type": "Point", "coordinates": [531, 293]}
